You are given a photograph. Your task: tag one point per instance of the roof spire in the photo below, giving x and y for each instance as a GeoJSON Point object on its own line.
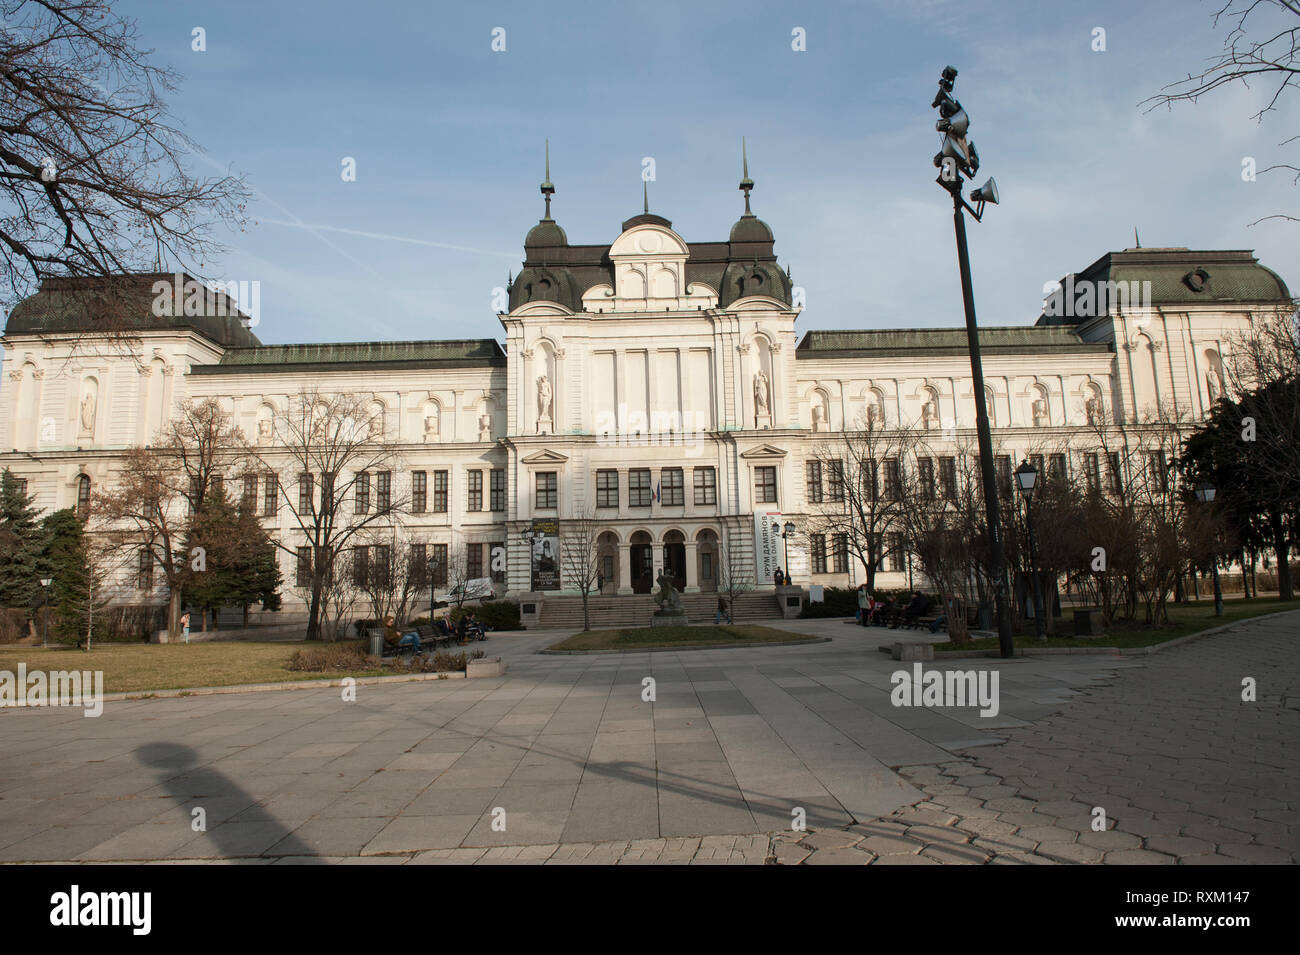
{"type": "Point", "coordinates": [645, 196]}
{"type": "Point", "coordinates": [548, 188]}
{"type": "Point", "coordinates": [746, 183]}
{"type": "Point", "coordinates": [1137, 243]}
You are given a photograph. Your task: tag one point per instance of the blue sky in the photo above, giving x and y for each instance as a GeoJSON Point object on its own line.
{"type": "Point", "coordinates": [448, 141]}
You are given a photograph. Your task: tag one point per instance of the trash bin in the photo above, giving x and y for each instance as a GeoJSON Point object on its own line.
{"type": "Point", "coordinates": [376, 643]}
{"type": "Point", "coordinates": [1087, 622]}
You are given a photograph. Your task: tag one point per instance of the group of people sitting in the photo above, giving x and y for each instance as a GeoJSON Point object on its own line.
{"type": "Point", "coordinates": [467, 628]}
{"type": "Point", "coordinates": [889, 613]}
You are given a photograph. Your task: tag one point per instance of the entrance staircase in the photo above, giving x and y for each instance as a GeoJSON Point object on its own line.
{"type": "Point", "coordinates": [634, 610]}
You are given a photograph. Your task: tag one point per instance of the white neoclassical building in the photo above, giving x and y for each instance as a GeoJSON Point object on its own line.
{"type": "Point", "coordinates": [656, 385]}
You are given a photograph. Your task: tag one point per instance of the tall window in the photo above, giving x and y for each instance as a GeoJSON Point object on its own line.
{"type": "Point", "coordinates": [672, 486]}
{"type": "Point", "coordinates": [925, 474]}
{"type": "Point", "coordinates": [835, 480]}
{"type": "Point", "coordinates": [870, 478]}
{"type": "Point", "coordinates": [440, 492]}
{"type": "Point", "coordinates": [817, 544]}
{"type": "Point", "coordinates": [706, 486]}
{"type": "Point", "coordinates": [361, 492]}
{"type": "Point", "coordinates": [548, 489]}
{"type": "Point", "coordinates": [474, 501]}
{"type": "Point", "coordinates": [607, 488]}
{"type": "Point", "coordinates": [83, 496]}
{"type": "Point", "coordinates": [839, 553]}
{"type": "Point", "coordinates": [271, 495]}
{"type": "Point", "coordinates": [20, 485]}
{"type": "Point", "coordinates": [1092, 471]}
{"type": "Point", "coordinates": [1004, 474]}
{"type": "Point", "coordinates": [418, 571]}
{"type": "Point", "coordinates": [896, 553]}
{"type": "Point", "coordinates": [419, 492]}
{"type": "Point", "coordinates": [438, 565]}
{"type": "Point", "coordinates": [249, 499]}
{"type": "Point", "coordinates": [814, 482]}
{"type": "Point", "coordinates": [144, 575]}
{"type": "Point", "coordinates": [893, 480]}
{"type": "Point", "coordinates": [765, 484]}
{"type": "Point", "coordinates": [360, 566]}
{"type": "Point", "coordinates": [1040, 465]}
{"type": "Point", "coordinates": [638, 487]}
{"type": "Point", "coordinates": [305, 494]}
{"type": "Point", "coordinates": [303, 578]}
{"type": "Point", "coordinates": [498, 489]}
{"type": "Point", "coordinates": [380, 562]}
{"type": "Point", "coordinates": [1115, 472]}
{"type": "Point", "coordinates": [948, 478]}
{"type": "Point", "coordinates": [1056, 467]}
{"type": "Point", "coordinates": [474, 561]}
{"type": "Point", "coordinates": [1159, 473]}
{"type": "Point", "coordinates": [384, 490]}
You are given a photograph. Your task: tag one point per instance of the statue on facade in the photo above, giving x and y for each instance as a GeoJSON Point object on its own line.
{"type": "Point", "coordinates": [819, 417]}
{"type": "Point", "coordinates": [874, 417]}
{"type": "Point", "coordinates": [485, 427]}
{"type": "Point", "coordinates": [1092, 409]}
{"type": "Point", "coordinates": [929, 414]}
{"type": "Point", "coordinates": [1039, 408]}
{"type": "Point", "coordinates": [264, 431]}
{"type": "Point", "coordinates": [762, 405]}
{"type": "Point", "coordinates": [431, 425]}
{"type": "Point", "coordinates": [1215, 386]}
{"type": "Point", "coordinates": [543, 398]}
{"type": "Point", "coordinates": [88, 416]}
{"type": "Point", "coordinates": [669, 601]}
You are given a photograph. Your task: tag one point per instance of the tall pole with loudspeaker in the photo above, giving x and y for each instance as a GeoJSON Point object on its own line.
{"type": "Point", "coordinates": [957, 161]}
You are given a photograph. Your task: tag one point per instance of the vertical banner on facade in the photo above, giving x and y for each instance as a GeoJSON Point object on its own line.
{"type": "Point", "coordinates": [767, 546]}
{"type": "Point", "coordinates": [546, 555]}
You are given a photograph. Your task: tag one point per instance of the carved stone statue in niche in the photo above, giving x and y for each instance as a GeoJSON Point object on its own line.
{"type": "Point", "coordinates": [264, 431]}
{"type": "Point", "coordinates": [762, 401]}
{"type": "Point", "coordinates": [1092, 409]}
{"type": "Point", "coordinates": [819, 416]}
{"type": "Point", "coordinates": [1039, 408]}
{"type": "Point", "coordinates": [88, 416]}
{"type": "Point", "coordinates": [930, 414]}
{"type": "Point", "coordinates": [873, 415]}
{"type": "Point", "coordinates": [543, 400]}
{"type": "Point", "coordinates": [432, 425]}
{"type": "Point", "coordinates": [1215, 385]}
{"type": "Point", "coordinates": [485, 427]}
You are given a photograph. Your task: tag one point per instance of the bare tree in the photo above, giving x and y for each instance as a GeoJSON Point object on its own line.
{"type": "Point", "coordinates": [385, 572]}
{"type": "Point", "coordinates": [93, 180]}
{"type": "Point", "coordinates": [579, 558]}
{"type": "Point", "coordinates": [735, 573]}
{"type": "Point", "coordinates": [1270, 54]}
{"type": "Point", "coordinates": [338, 450]}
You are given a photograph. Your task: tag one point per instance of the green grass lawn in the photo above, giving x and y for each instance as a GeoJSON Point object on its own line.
{"type": "Point", "coordinates": [131, 667]}
{"type": "Point", "coordinates": [648, 638]}
{"type": "Point", "coordinates": [1184, 620]}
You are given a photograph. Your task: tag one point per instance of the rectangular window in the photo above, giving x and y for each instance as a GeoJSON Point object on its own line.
{"type": "Point", "coordinates": [305, 495]}
{"type": "Point", "coordinates": [1092, 471]}
{"type": "Point", "coordinates": [1004, 475]}
{"type": "Point", "coordinates": [419, 492]}
{"type": "Point", "coordinates": [498, 489]}
{"type": "Point", "coordinates": [835, 480]}
{"type": "Point", "coordinates": [474, 561]}
{"type": "Point", "coordinates": [380, 562]}
{"type": "Point", "coordinates": [144, 575]}
{"type": "Point", "coordinates": [360, 566]}
{"type": "Point", "coordinates": [497, 558]}
{"type": "Point", "coordinates": [418, 571]}
{"type": "Point", "coordinates": [303, 578]}
{"type": "Point", "coordinates": [839, 553]}
{"type": "Point", "coordinates": [361, 493]}
{"type": "Point", "coordinates": [893, 480]}
{"type": "Point", "coordinates": [328, 506]}
{"type": "Point", "coordinates": [1056, 467]}
{"type": "Point", "coordinates": [20, 485]}
{"type": "Point", "coordinates": [897, 557]}
{"type": "Point", "coordinates": [474, 501]}
{"type": "Point", "coordinates": [638, 487]}
{"type": "Point", "coordinates": [218, 485]}
{"type": "Point", "coordinates": [384, 491]}
{"type": "Point", "coordinates": [948, 478]}
{"type": "Point", "coordinates": [1114, 472]}
{"type": "Point", "coordinates": [607, 488]}
{"type": "Point", "coordinates": [817, 544]}
{"type": "Point", "coordinates": [869, 476]}
{"type": "Point", "coordinates": [706, 566]}
{"type": "Point", "coordinates": [440, 492]}
{"type": "Point", "coordinates": [438, 565]}
{"type": "Point", "coordinates": [814, 482]}
{"type": "Point", "coordinates": [548, 489]}
{"type": "Point", "coordinates": [706, 486]}
{"type": "Point", "coordinates": [1040, 465]}
{"type": "Point", "coordinates": [1158, 471]}
{"type": "Point", "coordinates": [765, 485]}
{"type": "Point", "coordinates": [672, 486]}
{"type": "Point", "coordinates": [925, 474]}
{"type": "Point", "coordinates": [271, 495]}
{"type": "Point", "coordinates": [249, 499]}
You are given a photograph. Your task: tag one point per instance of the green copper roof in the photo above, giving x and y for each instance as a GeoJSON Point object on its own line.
{"type": "Point", "coordinates": [868, 343]}
{"type": "Point", "coordinates": [343, 356]}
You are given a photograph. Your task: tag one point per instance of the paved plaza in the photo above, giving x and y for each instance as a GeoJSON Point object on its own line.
{"type": "Point", "coordinates": [562, 761]}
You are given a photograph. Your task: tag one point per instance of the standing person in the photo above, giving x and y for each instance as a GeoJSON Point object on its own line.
{"type": "Point", "coordinates": [185, 625]}
{"type": "Point", "coordinates": [864, 605]}
{"type": "Point", "coordinates": [778, 576]}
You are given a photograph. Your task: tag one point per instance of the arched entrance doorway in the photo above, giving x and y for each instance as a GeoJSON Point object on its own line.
{"type": "Point", "coordinates": [675, 558]}
{"type": "Point", "coordinates": [707, 551]}
{"type": "Point", "coordinates": [607, 562]}
{"type": "Point", "coordinates": [641, 555]}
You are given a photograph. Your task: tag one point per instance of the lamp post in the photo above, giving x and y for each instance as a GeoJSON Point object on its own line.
{"type": "Point", "coordinates": [786, 533]}
{"type": "Point", "coordinates": [957, 156]}
{"type": "Point", "coordinates": [45, 617]}
{"type": "Point", "coordinates": [1026, 478]}
{"type": "Point", "coordinates": [1205, 492]}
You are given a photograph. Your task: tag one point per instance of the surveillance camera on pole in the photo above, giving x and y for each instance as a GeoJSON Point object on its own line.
{"type": "Point", "coordinates": [958, 162]}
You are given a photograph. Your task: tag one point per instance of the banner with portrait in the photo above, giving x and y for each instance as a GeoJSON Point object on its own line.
{"type": "Point", "coordinates": [546, 555]}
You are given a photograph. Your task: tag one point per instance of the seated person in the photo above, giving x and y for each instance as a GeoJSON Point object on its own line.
{"type": "Point", "coordinates": [462, 628]}
{"type": "Point", "coordinates": [475, 627]}
{"type": "Point", "coordinates": [411, 639]}
{"type": "Point", "coordinates": [880, 611]}
{"type": "Point", "coordinates": [915, 608]}
{"type": "Point", "coordinates": [940, 622]}
{"type": "Point", "coordinates": [441, 625]}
